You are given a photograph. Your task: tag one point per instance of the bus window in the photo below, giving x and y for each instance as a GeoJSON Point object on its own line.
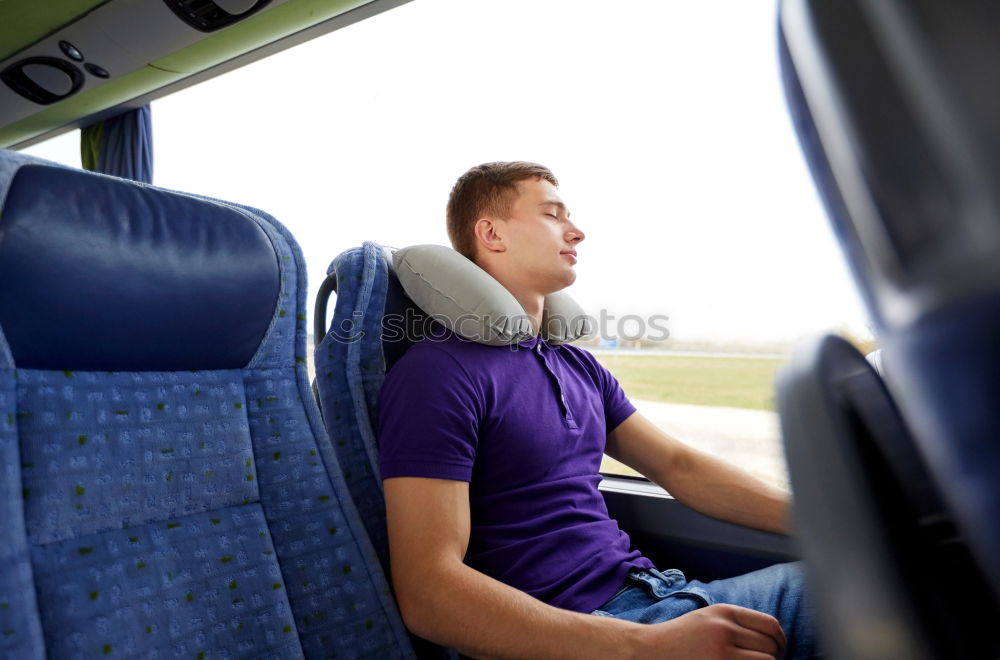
{"type": "Point", "coordinates": [706, 254]}
{"type": "Point", "coordinates": [64, 149]}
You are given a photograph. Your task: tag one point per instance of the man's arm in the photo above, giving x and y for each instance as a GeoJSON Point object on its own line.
{"type": "Point", "coordinates": [447, 602]}
{"type": "Point", "coordinates": [697, 479]}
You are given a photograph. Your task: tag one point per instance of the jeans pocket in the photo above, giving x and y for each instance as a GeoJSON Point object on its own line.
{"type": "Point", "coordinates": [673, 605]}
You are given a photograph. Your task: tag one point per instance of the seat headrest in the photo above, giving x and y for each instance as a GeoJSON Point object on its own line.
{"type": "Point", "coordinates": [467, 300]}
{"type": "Point", "coordinates": [105, 274]}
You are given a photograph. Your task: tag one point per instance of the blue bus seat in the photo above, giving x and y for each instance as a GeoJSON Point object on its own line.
{"type": "Point", "coordinates": [349, 374]}
{"type": "Point", "coordinates": [898, 125]}
{"type": "Point", "coordinates": [166, 487]}
{"type": "Point", "coordinates": [374, 322]}
{"type": "Point", "coordinates": [878, 538]}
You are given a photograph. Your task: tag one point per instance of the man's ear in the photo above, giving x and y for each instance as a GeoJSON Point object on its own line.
{"type": "Point", "coordinates": [488, 234]}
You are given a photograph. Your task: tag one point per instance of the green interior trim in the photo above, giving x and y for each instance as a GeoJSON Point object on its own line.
{"type": "Point", "coordinates": [263, 28]}
{"type": "Point", "coordinates": [269, 25]}
{"type": "Point", "coordinates": [27, 21]}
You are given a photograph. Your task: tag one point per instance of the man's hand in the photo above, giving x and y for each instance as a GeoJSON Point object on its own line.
{"type": "Point", "coordinates": [717, 632]}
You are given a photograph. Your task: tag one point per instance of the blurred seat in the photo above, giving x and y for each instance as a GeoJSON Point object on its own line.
{"type": "Point", "coordinates": [167, 487]}
{"type": "Point", "coordinates": [892, 575]}
{"type": "Point", "coordinates": [895, 108]}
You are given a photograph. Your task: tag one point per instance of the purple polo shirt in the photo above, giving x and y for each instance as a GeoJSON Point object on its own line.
{"type": "Point", "coordinates": [525, 425]}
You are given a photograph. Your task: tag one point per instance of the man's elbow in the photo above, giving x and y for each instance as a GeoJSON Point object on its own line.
{"type": "Point", "coordinates": [410, 610]}
{"type": "Point", "coordinates": [416, 596]}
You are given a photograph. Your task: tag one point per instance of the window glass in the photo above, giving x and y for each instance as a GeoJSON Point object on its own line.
{"type": "Point", "coordinates": [664, 121]}
{"type": "Point", "coordinates": [719, 402]}
{"type": "Point", "coordinates": [64, 149]}
{"type": "Point", "coordinates": [707, 252]}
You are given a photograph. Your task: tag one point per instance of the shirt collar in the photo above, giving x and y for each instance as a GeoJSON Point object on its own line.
{"type": "Point", "coordinates": [531, 342]}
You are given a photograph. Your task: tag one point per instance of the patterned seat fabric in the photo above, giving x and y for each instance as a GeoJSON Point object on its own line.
{"type": "Point", "coordinates": [170, 492]}
{"type": "Point", "coordinates": [349, 374]}
{"type": "Point", "coordinates": [373, 324]}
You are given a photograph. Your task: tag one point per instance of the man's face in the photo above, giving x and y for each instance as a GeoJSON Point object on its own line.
{"type": "Point", "coordinates": [540, 238]}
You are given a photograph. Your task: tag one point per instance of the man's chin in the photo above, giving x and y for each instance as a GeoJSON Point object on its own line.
{"type": "Point", "coordinates": [563, 282]}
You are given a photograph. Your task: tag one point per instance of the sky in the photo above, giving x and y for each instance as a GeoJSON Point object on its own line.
{"type": "Point", "coordinates": [664, 121]}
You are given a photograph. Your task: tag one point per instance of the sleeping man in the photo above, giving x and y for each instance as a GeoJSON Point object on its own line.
{"type": "Point", "coordinates": [500, 542]}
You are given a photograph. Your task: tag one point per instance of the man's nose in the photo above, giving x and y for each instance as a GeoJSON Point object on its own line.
{"type": "Point", "coordinates": [575, 234]}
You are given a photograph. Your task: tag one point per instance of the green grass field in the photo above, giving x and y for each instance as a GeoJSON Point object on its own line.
{"type": "Point", "coordinates": [707, 381]}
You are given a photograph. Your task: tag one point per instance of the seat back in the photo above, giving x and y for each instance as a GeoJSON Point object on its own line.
{"type": "Point", "coordinates": [167, 484]}
{"type": "Point", "coordinates": [899, 124]}
{"type": "Point", "coordinates": [866, 505]}
{"type": "Point", "coordinates": [374, 323]}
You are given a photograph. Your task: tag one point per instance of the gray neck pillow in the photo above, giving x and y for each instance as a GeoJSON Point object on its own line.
{"type": "Point", "coordinates": [466, 299]}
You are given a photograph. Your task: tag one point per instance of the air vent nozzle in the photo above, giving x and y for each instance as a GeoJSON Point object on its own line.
{"type": "Point", "coordinates": [209, 16]}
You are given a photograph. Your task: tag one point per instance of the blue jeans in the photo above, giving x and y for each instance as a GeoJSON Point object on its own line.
{"type": "Point", "coordinates": [654, 596]}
